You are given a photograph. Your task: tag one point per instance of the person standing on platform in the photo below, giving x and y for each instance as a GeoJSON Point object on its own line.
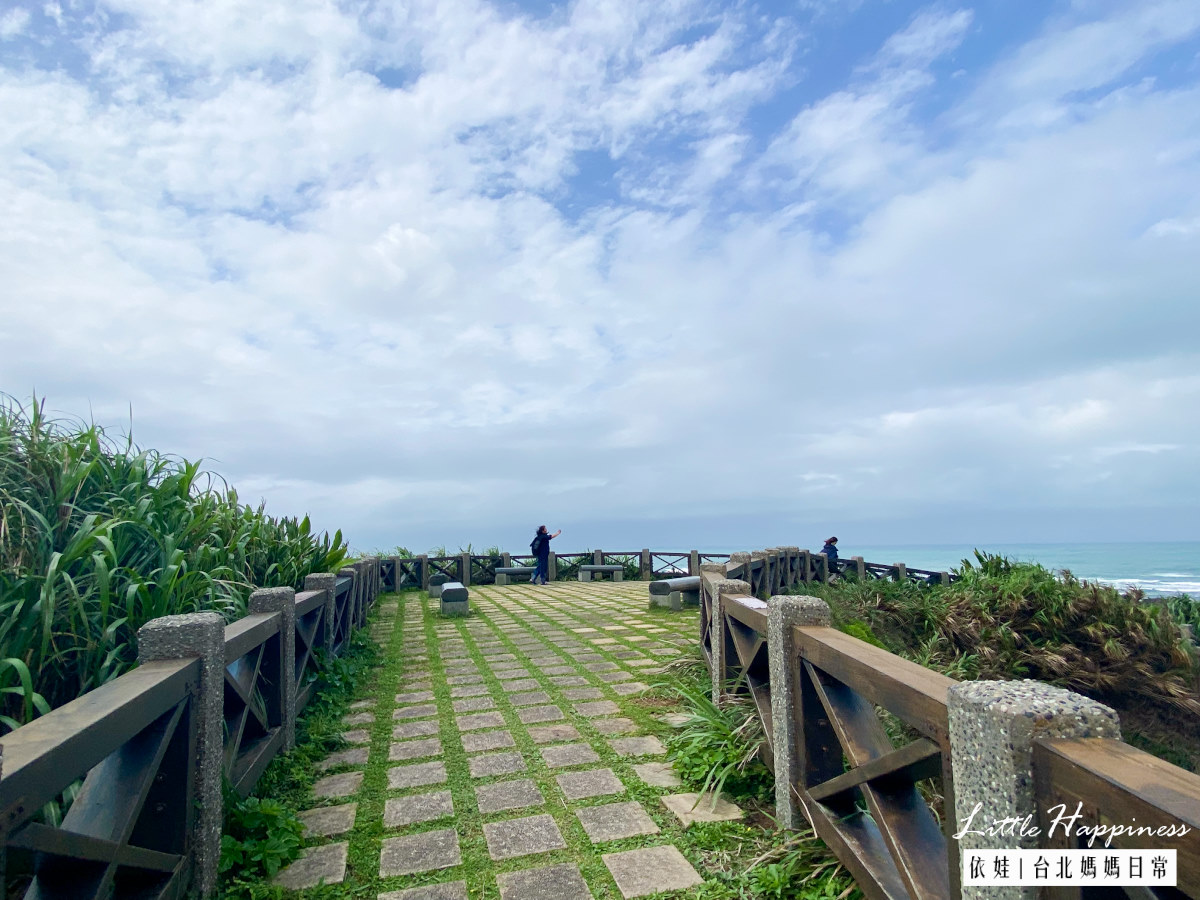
{"type": "Point", "coordinates": [541, 549]}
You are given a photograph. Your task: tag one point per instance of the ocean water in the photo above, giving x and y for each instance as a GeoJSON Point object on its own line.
{"type": "Point", "coordinates": [1159, 569]}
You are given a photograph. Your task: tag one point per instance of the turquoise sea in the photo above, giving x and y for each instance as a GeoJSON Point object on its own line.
{"type": "Point", "coordinates": [1157, 568]}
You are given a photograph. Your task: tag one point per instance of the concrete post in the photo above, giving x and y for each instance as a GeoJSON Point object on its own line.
{"type": "Point", "coordinates": [776, 558]}
{"type": "Point", "coordinates": [352, 602]}
{"type": "Point", "coordinates": [646, 568]}
{"type": "Point", "coordinates": [464, 570]}
{"type": "Point", "coordinates": [552, 567]}
{"type": "Point", "coordinates": [901, 573]}
{"type": "Point", "coordinates": [762, 559]}
{"type": "Point", "coordinates": [423, 571]}
{"type": "Point", "coordinates": [806, 567]}
{"type": "Point", "coordinates": [694, 563]}
{"type": "Point", "coordinates": [793, 566]}
{"type": "Point", "coordinates": [993, 725]}
{"type": "Point", "coordinates": [505, 560]}
{"type": "Point", "coordinates": [860, 567]}
{"type": "Point", "coordinates": [736, 560]}
{"type": "Point", "coordinates": [283, 601]}
{"type": "Point", "coordinates": [721, 589]}
{"type": "Point", "coordinates": [395, 573]}
{"type": "Point", "coordinates": [782, 613]}
{"type": "Point", "coordinates": [821, 562]}
{"type": "Point", "coordinates": [943, 577]}
{"type": "Point", "coordinates": [202, 635]}
{"type": "Point", "coordinates": [327, 582]}
{"type": "Point", "coordinates": [597, 557]}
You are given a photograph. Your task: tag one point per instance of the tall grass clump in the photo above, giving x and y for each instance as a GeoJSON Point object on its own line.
{"type": "Point", "coordinates": [98, 536]}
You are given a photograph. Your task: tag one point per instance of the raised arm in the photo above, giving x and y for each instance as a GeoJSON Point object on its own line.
{"type": "Point", "coordinates": [556, 534]}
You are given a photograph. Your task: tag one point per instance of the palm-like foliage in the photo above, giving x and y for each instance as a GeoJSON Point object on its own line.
{"type": "Point", "coordinates": [98, 536]}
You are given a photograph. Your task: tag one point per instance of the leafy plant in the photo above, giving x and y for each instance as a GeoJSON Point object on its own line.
{"type": "Point", "coordinates": [261, 837]}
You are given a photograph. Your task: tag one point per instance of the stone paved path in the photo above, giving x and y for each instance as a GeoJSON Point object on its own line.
{"type": "Point", "coordinates": [507, 756]}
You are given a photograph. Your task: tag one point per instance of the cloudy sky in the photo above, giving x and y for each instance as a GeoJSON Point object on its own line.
{"type": "Point", "coordinates": [671, 273]}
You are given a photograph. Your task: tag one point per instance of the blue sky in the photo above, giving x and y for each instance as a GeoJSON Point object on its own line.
{"type": "Point", "coordinates": [678, 273]}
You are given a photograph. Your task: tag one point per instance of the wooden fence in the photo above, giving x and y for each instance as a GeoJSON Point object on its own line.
{"type": "Point", "coordinates": [888, 799]}
{"type": "Point", "coordinates": [133, 752]}
{"type": "Point", "coordinates": [400, 572]}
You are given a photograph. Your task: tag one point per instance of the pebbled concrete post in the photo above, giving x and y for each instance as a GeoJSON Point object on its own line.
{"type": "Point", "coordinates": [694, 562]}
{"type": "Point", "coordinates": [464, 570]}
{"type": "Point", "coordinates": [993, 725]}
{"type": "Point", "coordinates": [597, 557]}
{"type": "Point", "coordinates": [327, 582]}
{"type": "Point", "coordinates": [736, 560]}
{"type": "Point", "coordinates": [901, 573]}
{"type": "Point", "coordinates": [645, 566]}
{"type": "Point", "coordinates": [552, 567]}
{"type": "Point", "coordinates": [395, 573]}
{"type": "Point", "coordinates": [721, 589]}
{"type": "Point", "coordinates": [505, 560]}
{"type": "Point", "coordinates": [860, 567]}
{"type": "Point", "coordinates": [806, 566]}
{"type": "Point", "coordinates": [203, 635]}
{"type": "Point", "coordinates": [423, 570]}
{"type": "Point", "coordinates": [792, 557]}
{"type": "Point", "coordinates": [283, 601]}
{"type": "Point", "coordinates": [353, 600]}
{"type": "Point", "coordinates": [782, 613]}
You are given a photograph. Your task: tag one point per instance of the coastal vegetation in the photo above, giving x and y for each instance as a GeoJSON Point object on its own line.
{"type": "Point", "coordinates": [98, 536]}
{"type": "Point", "coordinates": [1004, 619]}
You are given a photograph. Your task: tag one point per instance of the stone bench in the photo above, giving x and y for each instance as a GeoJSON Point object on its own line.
{"type": "Point", "coordinates": [506, 574]}
{"type": "Point", "coordinates": [454, 599]}
{"type": "Point", "coordinates": [436, 583]}
{"type": "Point", "coordinates": [586, 572]}
{"type": "Point", "coordinates": [673, 593]}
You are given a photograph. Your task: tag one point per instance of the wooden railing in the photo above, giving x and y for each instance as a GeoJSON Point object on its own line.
{"type": "Point", "coordinates": [881, 793]}
{"type": "Point", "coordinates": [126, 758]}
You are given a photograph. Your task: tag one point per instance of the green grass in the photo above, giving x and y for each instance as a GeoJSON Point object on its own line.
{"type": "Point", "coordinates": [98, 536]}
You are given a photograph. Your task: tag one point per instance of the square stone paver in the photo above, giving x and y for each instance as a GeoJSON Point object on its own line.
{"type": "Point", "coordinates": [496, 764]}
{"type": "Point", "coordinates": [570, 681]}
{"type": "Point", "coordinates": [520, 684]}
{"type": "Point", "coordinates": [478, 741]}
{"type": "Point", "coordinates": [618, 725]}
{"type": "Point", "coordinates": [421, 711]}
{"type": "Point", "coordinates": [419, 853]}
{"type": "Point", "coordinates": [417, 808]}
{"type": "Point", "coordinates": [328, 820]}
{"type": "Point", "coordinates": [610, 677]}
{"type": "Point", "coordinates": [657, 774]}
{"type": "Point", "coordinates": [597, 708]}
{"type": "Point", "coordinates": [549, 734]}
{"type": "Point", "coordinates": [469, 690]}
{"type": "Point", "coordinates": [473, 704]}
{"type": "Point", "coordinates": [614, 821]}
{"type": "Point", "coordinates": [508, 795]}
{"type": "Point", "coordinates": [464, 679]}
{"type": "Point", "coordinates": [531, 714]}
{"type": "Point", "coordinates": [630, 687]}
{"type": "Point", "coordinates": [558, 670]}
{"type": "Point", "coordinates": [478, 721]}
{"type": "Point", "coordinates": [528, 698]}
{"type": "Point", "coordinates": [414, 696]}
{"type": "Point", "coordinates": [414, 749]}
{"type": "Point", "coordinates": [357, 736]}
{"type": "Point", "coordinates": [342, 785]}
{"type": "Point", "coordinates": [558, 882]}
{"type": "Point", "coordinates": [415, 729]}
{"type": "Point", "coordinates": [648, 871]}
{"type": "Point", "coordinates": [326, 863]}
{"type": "Point", "coordinates": [362, 718]}
{"type": "Point", "coordinates": [601, 667]}
{"type": "Point", "coordinates": [354, 757]}
{"type": "Point", "coordinates": [586, 693]}
{"type": "Point", "coordinates": [689, 808]}
{"type": "Point", "coordinates": [522, 837]}
{"type": "Point", "coordinates": [675, 720]}
{"type": "Point", "coordinates": [646, 745]}
{"type": "Point", "coordinates": [569, 755]}
{"type": "Point", "coordinates": [415, 775]}
{"type": "Point", "coordinates": [592, 783]}
{"type": "Point", "coordinates": [447, 890]}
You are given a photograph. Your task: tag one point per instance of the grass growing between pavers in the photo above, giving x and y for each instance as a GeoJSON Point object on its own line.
{"type": "Point", "coordinates": [542, 630]}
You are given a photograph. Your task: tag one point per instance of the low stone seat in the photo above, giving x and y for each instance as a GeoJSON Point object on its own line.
{"type": "Point", "coordinates": [673, 593]}
{"type": "Point", "coordinates": [586, 572]}
{"type": "Point", "coordinates": [506, 574]}
{"type": "Point", "coordinates": [436, 583]}
{"type": "Point", "coordinates": [454, 599]}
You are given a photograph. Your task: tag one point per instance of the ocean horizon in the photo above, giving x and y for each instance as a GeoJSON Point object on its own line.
{"type": "Point", "coordinates": [1164, 568]}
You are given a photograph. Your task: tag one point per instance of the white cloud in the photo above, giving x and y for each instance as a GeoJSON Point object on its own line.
{"type": "Point", "coordinates": [13, 23]}
{"type": "Point", "coordinates": [379, 305]}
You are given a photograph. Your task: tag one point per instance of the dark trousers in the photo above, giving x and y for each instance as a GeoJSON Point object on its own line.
{"type": "Point", "coordinates": [541, 574]}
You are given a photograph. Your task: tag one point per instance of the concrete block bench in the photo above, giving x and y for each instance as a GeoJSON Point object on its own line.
{"type": "Point", "coordinates": [454, 599]}
{"type": "Point", "coordinates": [586, 572]}
{"type": "Point", "coordinates": [675, 592]}
{"type": "Point", "coordinates": [436, 583]}
{"type": "Point", "coordinates": [506, 574]}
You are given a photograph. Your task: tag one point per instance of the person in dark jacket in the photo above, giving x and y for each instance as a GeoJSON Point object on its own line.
{"type": "Point", "coordinates": [541, 549]}
{"type": "Point", "coordinates": [830, 551]}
